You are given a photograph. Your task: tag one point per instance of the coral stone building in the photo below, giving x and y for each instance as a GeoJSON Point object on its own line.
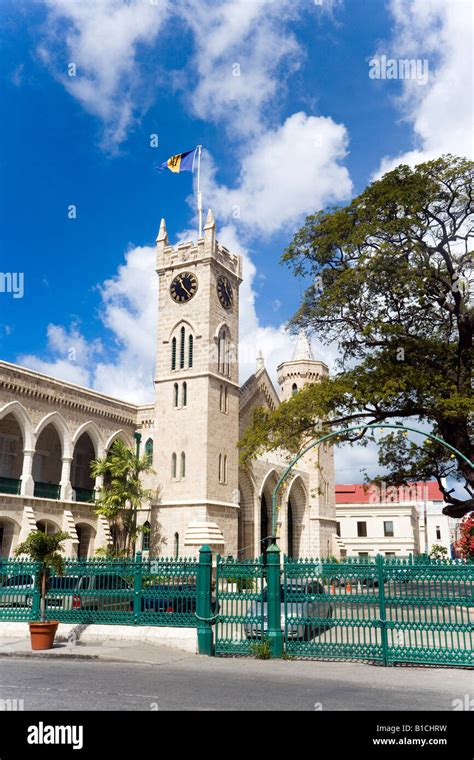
{"type": "Point", "coordinates": [50, 431]}
{"type": "Point", "coordinates": [390, 521]}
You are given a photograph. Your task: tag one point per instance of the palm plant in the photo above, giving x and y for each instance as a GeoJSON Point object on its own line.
{"type": "Point", "coordinates": [123, 493]}
{"type": "Point", "coordinates": [44, 548]}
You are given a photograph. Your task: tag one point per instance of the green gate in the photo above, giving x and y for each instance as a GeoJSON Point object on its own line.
{"type": "Point", "coordinates": [241, 621]}
{"type": "Point", "coordinates": [332, 610]}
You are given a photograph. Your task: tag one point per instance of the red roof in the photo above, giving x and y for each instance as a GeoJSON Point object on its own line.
{"type": "Point", "coordinates": [359, 493]}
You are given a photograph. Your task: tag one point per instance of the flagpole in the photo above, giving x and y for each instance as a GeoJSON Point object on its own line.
{"type": "Point", "coordinates": [199, 196]}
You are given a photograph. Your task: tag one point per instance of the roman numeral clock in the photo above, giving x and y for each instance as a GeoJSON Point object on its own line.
{"type": "Point", "coordinates": [183, 287]}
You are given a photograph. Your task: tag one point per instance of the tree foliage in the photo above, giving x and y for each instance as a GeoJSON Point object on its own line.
{"type": "Point", "coordinates": [44, 548]}
{"type": "Point", "coordinates": [391, 276]}
{"type": "Point", "coordinates": [123, 493]}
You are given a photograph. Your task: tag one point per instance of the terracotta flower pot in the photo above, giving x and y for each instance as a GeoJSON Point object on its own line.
{"type": "Point", "coordinates": [42, 634]}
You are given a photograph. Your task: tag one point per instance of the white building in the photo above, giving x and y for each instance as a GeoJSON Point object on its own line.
{"type": "Point", "coordinates": [390, 521]}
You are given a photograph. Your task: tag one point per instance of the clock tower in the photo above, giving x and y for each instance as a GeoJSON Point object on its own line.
{"type": "Point", "coordinates": [197, 392]}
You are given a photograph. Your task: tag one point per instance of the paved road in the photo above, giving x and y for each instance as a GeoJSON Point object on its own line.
{"type": "Point", "coordinates": [187, 682]}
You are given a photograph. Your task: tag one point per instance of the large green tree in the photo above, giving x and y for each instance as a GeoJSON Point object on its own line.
{"type": "Point", "coordinates": [391, 275]}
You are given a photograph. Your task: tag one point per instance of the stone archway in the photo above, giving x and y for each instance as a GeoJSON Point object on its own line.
{"type": "Point", "coordinates": [246, 544]}
{"type": "Point", "coordinates": [11, 454]}
{"type": "Point", "coordinates": [265, 515]}
{"type": "Point", "coordinates": [81, 479]}
{"type": "Point", "coordinates": [297, 501]}
{"type": "Point", "coordinates": [86, 535]}
{"type": "Point", "coordinates": [9, 535]}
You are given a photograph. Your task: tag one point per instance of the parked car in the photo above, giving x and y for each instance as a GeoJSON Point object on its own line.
{"type": "Point", "coordinates": [302, 605]}
{"type": "Point", "coordinates": [17, 591]}
{"type": "Point", "coordinates": [102, 592]}
{"type": "Point", "coordinates": [169, 598]}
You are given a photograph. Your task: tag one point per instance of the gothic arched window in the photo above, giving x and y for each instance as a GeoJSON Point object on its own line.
{"type": "Point", "coordinates": [190, 351]}
{"type": "Point", "coordinates": [174, 461]}
{"type": "Point", "coordinates": [146, 537]}
{"type": "Point", "coordinates": [173, 354]}
{"type": "Point", "coordinates": [181, 349]}
{"type": "Point", "coordinates": [149, 451]}
{"type": "Point", "coordinates": [176, 395]}
{"type": "Point", "coordinates": [184, 397]}
{"type": "Point", "coordinates": [183, 465]}
{"type": "Point", "coordinates": [294, 389]}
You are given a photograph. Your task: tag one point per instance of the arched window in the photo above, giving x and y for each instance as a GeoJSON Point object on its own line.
{"type": "Point", "coordinates": [146, 537]}
{"type": "Point", "coordinates": [220, 468]}
{"type": "Point", "coordinates": [176, 394]}
{"type": "Point", "coordinates": [173, 354]}
{"type": "Point", "coordinates": [221, 398]}
{"type": "Point", "coordinates": [226, 407]}
{"type": "Point", "coordinates": [181, 349]}
{"type": "Point", "coordinates": [174, 466]}
{"type": "Point", "coordinates": [184, 398]}
{"type": "Point", "coordinates": [149, 451]}
{"type": "Point", "coordinates": [183, 465]}
{"type": "Point", "coordinates": [294, 389]}
{"type": "Point", "coordinates": [224, 473]}
{"type": "Point", "coordinates": [190, 352]}
{"type": "Point", "coordinates": [223, 352]}
{"type": "Point", "coordinates": [176, 544]}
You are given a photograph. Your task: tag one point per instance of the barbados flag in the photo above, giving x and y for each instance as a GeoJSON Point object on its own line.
{"type": "Point", "coordinates": [182, 162]}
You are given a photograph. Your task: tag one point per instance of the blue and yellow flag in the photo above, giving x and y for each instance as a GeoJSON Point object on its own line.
{"type": "Point", "coordinates": [182, 162]}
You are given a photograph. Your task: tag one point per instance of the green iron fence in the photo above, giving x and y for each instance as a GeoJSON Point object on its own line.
{"type": "Point", "coordinates": [381, 609]}
{"type": "Point", "coordinates": [122, 592]}
{"type": "Point", "coordinates": [240, 603]}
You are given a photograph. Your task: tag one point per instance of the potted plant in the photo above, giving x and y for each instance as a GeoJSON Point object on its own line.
{"type": "Point", "coordinates": [44, 549]}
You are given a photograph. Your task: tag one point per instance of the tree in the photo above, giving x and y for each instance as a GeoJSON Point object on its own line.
{"type": "Point", "coordinates": [122, 494]}
{"type": "Point", "coordinates": [438, 551]}
{"type": "Point", "coordinates": [465, 545]}
{"type": "Point", "coordinates": [44, 548]}
{"type": "Point", "coordinates": [391, 274]}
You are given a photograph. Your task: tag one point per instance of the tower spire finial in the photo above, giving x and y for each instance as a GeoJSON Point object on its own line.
{"type": "Point", "coordinates": [303, 347]}
{"type": "Point", "coordinates": [162, 236]}
{"type": "Point", "coordinates": [260, 360]}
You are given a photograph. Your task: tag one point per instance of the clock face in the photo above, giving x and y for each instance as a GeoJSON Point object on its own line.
{"type": "Point", "coordinates": [225, 292]}
{"type": "Point", "coordinates": [183, 287]}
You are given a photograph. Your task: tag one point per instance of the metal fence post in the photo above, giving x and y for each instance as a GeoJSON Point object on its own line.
{"type": "Point", "coordinates": [274, 631]}
{"type": "Point", "coordinates": [203, 605]}
{"type": "Point", "coordinates": [36, 604]}
{"type": "Point", "coordinates": [383, 613]}
{"type": "Point", "coordinates": [137, 588]}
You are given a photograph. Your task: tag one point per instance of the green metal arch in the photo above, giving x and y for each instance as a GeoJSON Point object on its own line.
{"type": "Point", "coordinates": [342, 432]}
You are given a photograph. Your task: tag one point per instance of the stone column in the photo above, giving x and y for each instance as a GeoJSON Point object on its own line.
{"type": "Point", "coordinates": [27, 482]}
{"type": "Point", "coordinates": [99, 482]}
{"type": "Point", "coordinates": [65, 483]}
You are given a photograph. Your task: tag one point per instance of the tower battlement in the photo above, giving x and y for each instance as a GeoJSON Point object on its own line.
{"type": "Point", "coordinates": [208, 247]}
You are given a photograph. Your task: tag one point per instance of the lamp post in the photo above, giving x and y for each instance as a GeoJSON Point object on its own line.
{"type": "Point", "coordinates": [336, 433]}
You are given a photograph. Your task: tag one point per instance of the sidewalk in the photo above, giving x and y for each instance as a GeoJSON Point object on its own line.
{"type": "Point", "coordinates": [138, 644]}
{"type": "Point", "coordinates": [113, 651]}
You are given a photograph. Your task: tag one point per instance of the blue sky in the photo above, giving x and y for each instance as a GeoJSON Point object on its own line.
{"type": "Point", "coordinates": [302, 127]}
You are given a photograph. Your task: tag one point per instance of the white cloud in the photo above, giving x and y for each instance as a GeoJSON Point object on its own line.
{"type": "Point", "coordinates": [101, 38]}
{"type": "Point", "coordinates": [441, 112]}
{"type": "Point", "coordinates": [289, 172]}
{"type": "Point", "coordinates": [72, 355]}
{"type": "Point", "coordinates": [240, 46]}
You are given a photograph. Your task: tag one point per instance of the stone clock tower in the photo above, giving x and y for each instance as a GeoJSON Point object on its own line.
{"type": "Point", "coordinates": [197, 392]}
